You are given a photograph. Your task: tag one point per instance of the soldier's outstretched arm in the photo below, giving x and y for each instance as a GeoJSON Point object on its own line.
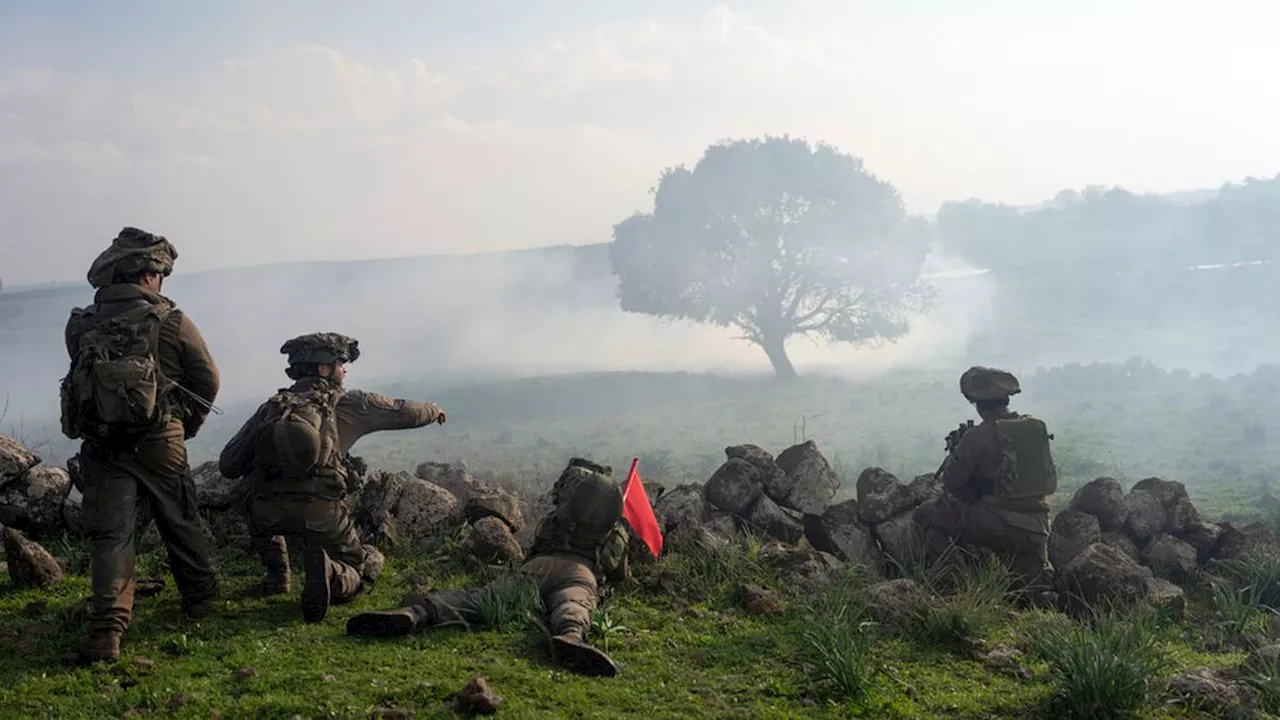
{"type": "Point", "coordinates": [361, 412]}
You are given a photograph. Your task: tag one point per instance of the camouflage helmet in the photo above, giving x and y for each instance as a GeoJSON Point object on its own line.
{"type": "Point", "coordinates": [321, 349]}
{"type": "Point", "coordinates": [984, 383]}
{"type": "Point", "coordinates": [133, 251]}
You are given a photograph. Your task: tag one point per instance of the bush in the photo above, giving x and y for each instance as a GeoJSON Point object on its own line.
{"type": "Point", "coordinates": [971, 610]}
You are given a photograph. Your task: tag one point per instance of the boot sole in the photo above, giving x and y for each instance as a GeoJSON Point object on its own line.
{"type": "Point", "coordinates": [315, 594]}
{"type": "Point", "coordinates": [380, 625]}
{"type": "Point", "coordinates": [583, 659]}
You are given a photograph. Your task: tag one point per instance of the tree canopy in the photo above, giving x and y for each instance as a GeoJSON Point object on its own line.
{"type": "Point", "coordinates": [777, 238]}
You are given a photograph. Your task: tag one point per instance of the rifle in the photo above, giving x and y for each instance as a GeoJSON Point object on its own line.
{"type": "Point", "coordinates": [199, 400]}
{"type": "Point", "coordinates": [953, 437]}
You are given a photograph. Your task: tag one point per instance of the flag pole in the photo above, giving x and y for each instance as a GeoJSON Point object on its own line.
{"type": "Point", "coordinates": [627, 490]}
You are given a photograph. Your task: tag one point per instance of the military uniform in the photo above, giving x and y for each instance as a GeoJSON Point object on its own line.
{"type": "Point", "coordinates": [337, 563]}
{"type": "Point", "coordinates": [566, 564]}
{"type": "Point", "coordinates": [995, 485]}
{"type": "Point", "coordinates": [115, 478]}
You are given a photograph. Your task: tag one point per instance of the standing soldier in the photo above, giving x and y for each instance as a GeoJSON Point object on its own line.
{"type": "Point", "coordinates": [294, 455]}
{"type": "Point", "coordinates": [141, 383]}
{"type": "Point", "coordinates": [579, 543]}
{"type": "Point", "coordinates": [997, 482]}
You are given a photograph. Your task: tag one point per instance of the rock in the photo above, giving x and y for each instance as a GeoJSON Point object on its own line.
{"type": "Point", "coordinates": [375, 512]}
{"type": "Point", "coordinates": [73, 512]}
{"type": "Point", "coordinates": [477, 698]}
{"type": "Point", "coordinates": [533, 509]}
{"type": "Point", "coordinates": [683, 506]}
{"type": "Point", "coordinates": [777, 484]}
{"type": "Point", "coordinates": [893, 603]}
{"type": "Point", "coordinates": [735, 487]}
{"type": "Point", "coordinates": [1168, 492]}
{"type": "Point", "coordinates": [34, 500]}
{"type": "Point", "coordinates": [452, 477]}
{"type": "Point", "coordinates": [15, 460]}
{"type": "Point", "coordinates": [499, 504]}
{"type": "Point", "coordinates": [925, 487]}
{"type": "Point", "coordinates": [799, 566]}
{"type": "Point", "coordinates": [1214, 692]}
{"type": "Point", "coordinates": [1183, 517]}
{"type": "Point", "coordinates": [1204, 538]}
{"type": "Point", "coordinates": [837, 531]}
{"type": "Point", "coordinates": [874, 481]}
{"type": "Point", "coordinates": [899, 539]}
{"type": "Point", "coordinates": [1234, 542]}
{"type": "Point", "coordinates": [423, 507]}
{"type": "Point", "coordinates": [770, 518]}
{"type": "Point", "coordinates": [756, 600]}
{"type": "Point", "coordinates": [1170, 558]}
{"type": "Point", "coordinates": [1263, 658]}
{"type": "Point", "coordinates": [1164, 594]}
{"type": "Point", "coordinates": [1147, 515]}
{"type": "Point", "coordinates": [892, 499]}
{"type": "Point", "coordinates": [815, 482]}
{"type": "Point", "coordinates": [720, 525]}
{"type": "Point", "coordinates": [1104, 499]}
{"type": "Point", "coordinates": [30, 565]}
{"type": "Point", "coordinates": [493, 541]}
{"type": "Point", "coordinates": [213, 491]}
{"type": "Point", "coordinates": [1102, 574]}
{"type": "Point", "coordinates": [1124, 543]}
{"type": "Point", "coordinates": [1072, 531]}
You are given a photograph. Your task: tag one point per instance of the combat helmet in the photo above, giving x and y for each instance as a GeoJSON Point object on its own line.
{"type": "Point", "coordinates": [321, 349]}
{"type": "Point", "coordinates": [985, 383]}
{"type": "Point", "coordinates": [133, 251]}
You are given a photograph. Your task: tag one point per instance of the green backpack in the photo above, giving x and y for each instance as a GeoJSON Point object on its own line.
{"type": "Point", "coordinates": [299, 435]}
{"type": "Point", "coordinates": [1027, 471]}
{"type": "Point", "coordinates": [114, 390]}
{"type": "Point", "coordinates": [588, 506]}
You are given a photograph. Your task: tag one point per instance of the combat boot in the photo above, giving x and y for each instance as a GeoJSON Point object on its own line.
{"type": "Point", "coordinates": [391, 623]}
{"type": "Point", "coordinates": [579, 657]}
{"type": "Point", "coordinates": [98, 646]}
{"type": "Point", "coordinates": [316, 591]}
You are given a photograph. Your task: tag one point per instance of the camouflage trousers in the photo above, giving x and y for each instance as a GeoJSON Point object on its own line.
{"type": "Point", "coordinates": [114, 483]}
{"type": "Point", "coordinates": [1020, 538]}
{"type": "Point", "coordinates": [567, 586]}
{"type": "Point", "coordinates": [318, 522]}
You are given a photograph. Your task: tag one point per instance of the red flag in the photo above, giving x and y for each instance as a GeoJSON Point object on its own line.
{"type": "Point", "coordinates": [638, 512]}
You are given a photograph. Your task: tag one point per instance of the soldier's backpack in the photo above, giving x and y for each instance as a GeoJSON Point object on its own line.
{"type": "Point", "coordinates": [1027, 470]}
{"type": "Point", "coordinates": [114, 391]}
{"type": "Point", "coordinates": [299, 434]}
{"type": "Point", "coordinates": [588, 509]}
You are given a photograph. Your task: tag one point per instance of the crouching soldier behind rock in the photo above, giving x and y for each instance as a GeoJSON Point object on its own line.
{"type": "Point", "coordinates": [294, 455]}
{"type": "Point", "coordinates": [996, 483]}
{"type": "Point", "coordinates": [576, 546]}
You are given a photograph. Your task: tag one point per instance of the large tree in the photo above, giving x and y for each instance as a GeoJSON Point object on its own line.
{"type": "Point", "coordinates": [779, 239]}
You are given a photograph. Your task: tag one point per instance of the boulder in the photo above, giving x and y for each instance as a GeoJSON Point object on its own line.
{"type": "Point", "coordinates": [777, 484]}
{"type": "Point", "coordinates": [1183, 517]}
{"type": "Point", "coordinates": [30, 565]}
{"type": "Point", "coordinates": [213, 491]}
{"type": "Point", "coordinates": [1072, 531]}
{"type": "Point", "coordinates": [1147, 515]}
{"type": "Point", "coordinates": [15, 460]}
{"type": "Point", "coordinates": [683, 506]}
{"type": "Point", "coordinates": [720, 525]}
{"type": "Point", "coordinates": [772, 519]}
{"type": "Point", "coordinates": [815, 483]}
{"type": "Point", "coordinates": [1204, 537]}
{"type": "Point", "coordinates": [375, 511]}
{"type": "Point", "coordinates": [893, 603]}
{"type": "Point", "coordinates": [1104, 574]}
{"type": "Point", "coordinates": [493, 541]}
{"type": "Point", "coordinates": [838, 531]}
{"type": "Point", "coordinates": [424, 507]}
{"type": "Point", "coordinates": [1104, 499]}
{"type": "Point", "coordinates": [1123, 543]}
{"type": "Point", "coordinates": [898, 539]}
{"type": "Point", "coordinates": [881, 496]}
{"type": "Point", "coordinates": [801, 567]}
{"type": "Point", "coordinates": [1170, 597]}
{"type": "Point", "coordinates": [499, 504]}
{"type": "Point", "coordinates": [1234, 542]}
{"type": "Point", "coordinates": [1214, 692]}
{"type": "Point", "coordinates": [735, 487]}
{"type": "Point", "coordinates": [452, 477]}
{"type": "Point", "coordinates": [34, 500]}
{"type": "Point", "coordinates": [1170, 558]}
{"type": "Point", "coordinates": [73, 512]}
{"type": "Point", "coordinates": [1168, 492]}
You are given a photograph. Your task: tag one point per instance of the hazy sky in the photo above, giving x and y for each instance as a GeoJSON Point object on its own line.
{"type": "Point", "coordinates": [259, 131]}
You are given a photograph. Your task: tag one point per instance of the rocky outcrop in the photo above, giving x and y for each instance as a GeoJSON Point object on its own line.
{"type": "Point", "coordinates": [15, 460]}
{"type": "Point", "coordinates": [30, 565]}
{"type": "Point", "coordinates": [493, 541]}
{"type": "Point", "coordinates": [814, 483]}
{"type": "Point", "coordinates": [1105, 500]}
{"type": "Point", "coordinates": [213, 491]}
{"type": "Point", "coordinates": [33, 501]}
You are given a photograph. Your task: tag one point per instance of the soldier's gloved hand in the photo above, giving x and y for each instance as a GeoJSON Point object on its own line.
{"type": "Point", "coordinates": [440, 418]}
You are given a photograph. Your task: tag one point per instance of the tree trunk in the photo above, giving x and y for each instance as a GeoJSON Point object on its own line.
{"type": "Point", "coordinates": [776, 349]}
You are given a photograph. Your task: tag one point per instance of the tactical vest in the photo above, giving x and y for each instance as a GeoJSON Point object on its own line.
{"type": "Point", "coordinates": [1027, 474]}
{"type": "Point", "coordinates": [114, 393]}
